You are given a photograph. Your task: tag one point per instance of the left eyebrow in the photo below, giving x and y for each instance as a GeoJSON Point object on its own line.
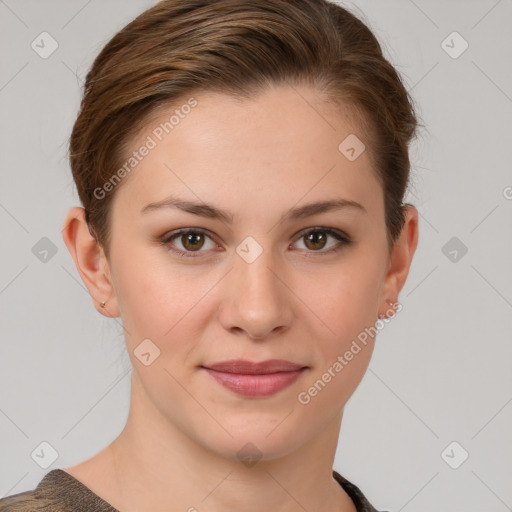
{"type": "Point", "coordinates": [311, 209]}
{"type": "Point", "coordinates": [212, 212]}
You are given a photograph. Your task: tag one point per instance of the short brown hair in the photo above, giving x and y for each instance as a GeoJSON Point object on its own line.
{"type": "Point", "coordinates": [237, 47]}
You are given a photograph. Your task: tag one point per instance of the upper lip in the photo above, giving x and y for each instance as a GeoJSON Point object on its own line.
{"type": "Point", "coordinates": [243, 366]}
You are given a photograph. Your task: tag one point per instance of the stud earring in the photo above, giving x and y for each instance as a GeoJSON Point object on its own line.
{"type": "Point", "coordinates": [382, 315]}
{"type": "Point", "coordinates": [102, 304]}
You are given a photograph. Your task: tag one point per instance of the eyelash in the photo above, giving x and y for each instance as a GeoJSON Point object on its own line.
{"type": "Point", "coordinates": [344, 240]}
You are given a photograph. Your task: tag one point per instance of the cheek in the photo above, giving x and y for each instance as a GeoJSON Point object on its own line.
{"type": "Point", "coordinates": [344, 336]}
{"type": "Point", "coordinates": [344, 341]}
{"type": "Point", "coordinates": [347, 301]}
{"type": "Point", "coordinates": [326, 392]}
{"type": "Point", "coordinates": [148, 296]}
{"type": "Point", "coordinates": [158, 300]}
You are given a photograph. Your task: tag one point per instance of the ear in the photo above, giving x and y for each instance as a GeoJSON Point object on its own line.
{"type": "Point", "coordinates": [400, 259]}
{"type": "Point", "coordinates": [90, 261]}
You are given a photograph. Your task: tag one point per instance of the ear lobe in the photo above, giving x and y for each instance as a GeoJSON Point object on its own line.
{"type": "Point", "coordinates": [401, 256]}
{"type": "Point", "coordinates": [90, 261]}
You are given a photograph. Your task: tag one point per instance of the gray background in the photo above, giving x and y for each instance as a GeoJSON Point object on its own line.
{"type": "Point", "coordinates": [441, 371]}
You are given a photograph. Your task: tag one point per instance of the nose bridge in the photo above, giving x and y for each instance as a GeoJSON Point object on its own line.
{"type": "Point", "coordinates": [258, 302]}
{"type": "Point", "coordinates": [255, 271]}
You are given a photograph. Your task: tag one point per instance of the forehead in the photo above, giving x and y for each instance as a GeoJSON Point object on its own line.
{"type": "Point", "coordinates": [281, 145]}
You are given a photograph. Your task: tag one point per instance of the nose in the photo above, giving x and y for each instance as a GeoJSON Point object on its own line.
{"type": "Point", "coordinates": [256, 299]}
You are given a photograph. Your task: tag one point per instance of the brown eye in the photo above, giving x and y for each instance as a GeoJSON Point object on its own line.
{"type": "Point", "coordinates": [192, 241]}
{"type": "Point", "coordinates": [315, 240]}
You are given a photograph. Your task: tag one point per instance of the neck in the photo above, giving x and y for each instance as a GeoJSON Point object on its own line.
{"type": "Point", "coordinates": [159, 467]}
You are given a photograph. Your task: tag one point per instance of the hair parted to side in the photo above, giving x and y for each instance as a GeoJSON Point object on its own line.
{"type": "Point", "coordinates": [238, 47]}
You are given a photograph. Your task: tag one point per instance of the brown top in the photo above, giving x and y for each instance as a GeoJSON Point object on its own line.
{"type": "Point", "coordinates": [58, 491]}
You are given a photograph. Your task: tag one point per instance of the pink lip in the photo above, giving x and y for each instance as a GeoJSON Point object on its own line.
{"type": "Point", "coordinates": [255, 379]}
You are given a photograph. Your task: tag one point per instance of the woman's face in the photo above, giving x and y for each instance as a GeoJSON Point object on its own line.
{"type": "Point", "coordinates": [257, 284]}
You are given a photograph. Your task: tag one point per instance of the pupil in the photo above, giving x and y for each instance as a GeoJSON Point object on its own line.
{"type": "Point", "coordinates": [315, 237]}
{"type": "Point", "coordinates": [192, 239]}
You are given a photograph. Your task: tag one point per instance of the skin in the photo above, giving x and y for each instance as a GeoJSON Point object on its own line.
{"type": "Point", "coordinates": [256, 159]}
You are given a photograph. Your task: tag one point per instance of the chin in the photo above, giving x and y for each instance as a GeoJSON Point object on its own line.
{"type": "Point", "coordinates": [255, 438]}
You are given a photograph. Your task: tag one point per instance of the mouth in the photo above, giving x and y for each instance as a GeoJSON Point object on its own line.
{"type": "Point", "coordinates": [255, 379]}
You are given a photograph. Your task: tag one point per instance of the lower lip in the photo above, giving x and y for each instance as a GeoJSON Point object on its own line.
{"type": "Point", "coordinates": [255, 385]}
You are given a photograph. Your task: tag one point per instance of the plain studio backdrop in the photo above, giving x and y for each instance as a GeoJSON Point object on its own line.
{"type": "Point", "coordinates": [429, 426]}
